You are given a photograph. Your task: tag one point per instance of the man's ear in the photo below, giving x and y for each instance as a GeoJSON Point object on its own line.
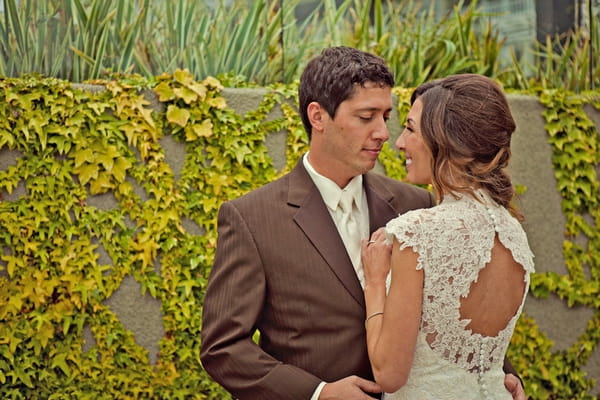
{"type": "Point", "coordinates": [316, 115]}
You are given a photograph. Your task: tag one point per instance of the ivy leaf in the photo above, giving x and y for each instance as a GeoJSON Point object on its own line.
{"type": "Point", "coordinates": [164, 92]}
{"type": "Point", "coordinates": [23, 377]}
{"type": "Point", "coordinates": [83, 155]}
{"type": "Point", "coordinates": [241, 152]}
{"type": "Point", "coordinates": [198, 88]}
{"type": "Point", "coordinates": [183, 76]}
{"type": "Point", "coordinates": [213, 82]}
{"type": "Point", "coordinates": [45, 333]}
{"type": "Point", "coordinates": [177, 115]}
{"type": "Point", "coordinates": [101, 183]}
{"type": "Point", "coordinates": [37, 122]}
{"type": "Point", "coordinates": [197, 131]}
{"type": "Point", "coordinates": [60, 361]}
{"type": "Point", "coordinates": [6, 139]}
{"type": "Point", "coordinates": [63, 144]}
{"type": "Point", "coordinates": [106, 160]}
{"type": "Point", "coordinates": [187, 95]}
{"type": "Point", "coordinates": [87, 172]}
{"type": "Point", "coordinates": [120, 168]}
{"type": "Point", "coordinates": [218, 102]}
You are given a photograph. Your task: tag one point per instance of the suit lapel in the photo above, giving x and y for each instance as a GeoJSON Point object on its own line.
{"type": "Point", "coordinates": [316, 222]}
{"type": "Point", "coordinates": [379, 199]}
{"type": "Point", "coordinates": [318, 226]}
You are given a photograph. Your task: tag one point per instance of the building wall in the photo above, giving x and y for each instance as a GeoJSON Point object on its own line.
{"type": "Point", "coordinates": [531, 166]}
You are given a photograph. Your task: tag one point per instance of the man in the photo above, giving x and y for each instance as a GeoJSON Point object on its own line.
{"type": "Point", "coordinates": [286, 265]}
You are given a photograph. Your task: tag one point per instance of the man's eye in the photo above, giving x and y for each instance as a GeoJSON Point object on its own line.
{"type": "Point", "coordinates": [365, 118]}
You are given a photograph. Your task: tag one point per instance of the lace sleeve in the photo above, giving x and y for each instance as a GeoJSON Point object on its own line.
{"type": "Point", "coordinates": [407, 229]}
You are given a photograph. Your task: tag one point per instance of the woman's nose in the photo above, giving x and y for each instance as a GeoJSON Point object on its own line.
{"type": "Point", "coordinates": [400, 142]}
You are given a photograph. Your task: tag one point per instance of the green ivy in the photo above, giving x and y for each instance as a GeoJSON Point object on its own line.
{"type": "Point", "coordinates": [74, 144]}
{"type": "Point", "coordinates": [575, 141]}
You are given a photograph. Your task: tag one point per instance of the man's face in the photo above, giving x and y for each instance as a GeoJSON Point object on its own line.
{"type": "Point", "coordinates": [349, 144]}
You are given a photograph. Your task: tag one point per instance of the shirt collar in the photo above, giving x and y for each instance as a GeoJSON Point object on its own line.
{"type": "Point", "coordinates": [330, 191]}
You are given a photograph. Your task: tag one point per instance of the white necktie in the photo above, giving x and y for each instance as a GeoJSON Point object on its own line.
{"type": "Point", "coordinates": [350, 232]}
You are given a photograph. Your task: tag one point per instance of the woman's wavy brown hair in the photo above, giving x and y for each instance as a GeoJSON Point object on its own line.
{"type": "Point", "coordinates": [467, 124]}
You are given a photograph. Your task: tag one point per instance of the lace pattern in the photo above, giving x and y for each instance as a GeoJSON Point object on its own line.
{"type": "Point", "coordinates": [454, 241]}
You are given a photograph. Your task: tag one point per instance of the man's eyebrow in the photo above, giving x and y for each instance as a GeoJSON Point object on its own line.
{"type": "Point", "coordinates": [373, 109]}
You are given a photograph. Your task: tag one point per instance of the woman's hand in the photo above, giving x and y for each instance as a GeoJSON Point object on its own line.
{"type": "Point", "coordinates": [375, 254]}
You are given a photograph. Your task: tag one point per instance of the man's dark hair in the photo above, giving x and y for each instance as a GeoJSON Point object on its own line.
{"type": "Point", "coordinates": [330, 78]}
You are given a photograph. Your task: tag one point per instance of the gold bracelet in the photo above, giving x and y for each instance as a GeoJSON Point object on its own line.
{"type": "Point", "coordinates": [371, 316]}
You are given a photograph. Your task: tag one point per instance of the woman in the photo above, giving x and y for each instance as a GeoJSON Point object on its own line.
{"type": "Point", "coordinates": [460, 270]}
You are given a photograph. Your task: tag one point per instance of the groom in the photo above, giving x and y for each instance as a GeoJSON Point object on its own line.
{"type": "Point", "coordinates": [284, 264]}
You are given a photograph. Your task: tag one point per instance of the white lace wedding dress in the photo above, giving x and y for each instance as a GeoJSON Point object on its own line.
{"type": "Point", "coordinates": [454, 241]}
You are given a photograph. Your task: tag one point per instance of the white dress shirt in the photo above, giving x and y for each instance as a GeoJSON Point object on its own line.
{"type": "Point", "coordinates": [331, 194]}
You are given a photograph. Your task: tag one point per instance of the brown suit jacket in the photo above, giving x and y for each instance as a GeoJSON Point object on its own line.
{"type": "Point", "coordinates": [281, 268]}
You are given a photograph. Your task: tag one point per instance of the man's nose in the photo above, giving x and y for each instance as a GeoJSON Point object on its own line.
{"type": "Point", "coordinates": [382, 132]}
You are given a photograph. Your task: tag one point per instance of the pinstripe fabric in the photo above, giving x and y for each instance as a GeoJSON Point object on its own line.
{"type": "Point", "coordinates": [282, 268]}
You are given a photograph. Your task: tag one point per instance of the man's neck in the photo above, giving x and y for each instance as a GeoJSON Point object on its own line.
{"type": "Point", "coordinates": [328, 171]}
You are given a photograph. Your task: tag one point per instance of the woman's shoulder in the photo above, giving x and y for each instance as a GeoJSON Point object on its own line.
{"type": "Point", "coordinates": [415, 226]}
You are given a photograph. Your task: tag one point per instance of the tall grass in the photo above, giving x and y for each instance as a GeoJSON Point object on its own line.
{"type": "Point", "coordinates": [420, 45]}
{"type": "Point", "coordinates": [569, 61]}
{"type": "Point", "coordinates": [261, 41]}
{"type": "Point", "coordinates": [70, 39]}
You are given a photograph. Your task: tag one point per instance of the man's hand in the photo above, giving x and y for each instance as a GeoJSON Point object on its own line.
{"type": "Point", "coordinates": [350, 388]}
{"type": "Point", "coordinates": [513, 385]}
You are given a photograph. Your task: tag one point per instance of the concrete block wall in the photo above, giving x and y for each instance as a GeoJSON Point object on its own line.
{"type": "Point", "coordinates": [531, 167]}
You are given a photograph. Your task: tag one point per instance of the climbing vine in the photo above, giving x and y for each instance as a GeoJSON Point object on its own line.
{"type": "Point", "coordinates": [551, 374]}
{"type": "Point", "coordinates": [72, 145]}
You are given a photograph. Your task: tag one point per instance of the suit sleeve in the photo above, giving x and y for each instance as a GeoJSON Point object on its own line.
{"type": "Point", "coordinates": [232, 307]}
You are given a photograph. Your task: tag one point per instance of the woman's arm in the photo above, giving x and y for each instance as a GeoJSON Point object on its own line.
{"type": "Point", "coordinates": [392, 335]}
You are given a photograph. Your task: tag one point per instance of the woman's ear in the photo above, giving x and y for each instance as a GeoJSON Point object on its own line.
{"type": "Point", "coordinates": [314, 111]}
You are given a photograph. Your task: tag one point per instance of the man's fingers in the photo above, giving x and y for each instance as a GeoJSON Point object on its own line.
{"type": "Point", "coordinates": [368, 386]}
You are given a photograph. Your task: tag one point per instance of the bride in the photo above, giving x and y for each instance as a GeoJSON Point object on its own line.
{"type": "Point", "coordinates": [440, 326]}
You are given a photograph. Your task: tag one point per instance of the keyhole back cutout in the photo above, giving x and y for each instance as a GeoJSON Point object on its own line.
{"type": "Point", "coordinates": [496, 296]}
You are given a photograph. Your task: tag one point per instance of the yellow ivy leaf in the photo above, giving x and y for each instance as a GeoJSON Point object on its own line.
{"type": "Point", "coordinates": [132, 132]}
{"type": "Point", "coordinates": [16, 302]}
{"type": "Point", "coordinates": [83, 155]}
{"type": "Point", "coordinates": [218, 102]}
{"type": "Point", "coordinates": [198, 88]}
{"type": "Point", "coordinates": [183, 76]}
{"type": "Point", "coordinates": [12, 264]}
{"type": "Point", "coordinates": [147, 114]}
{"type": "Point", "coordinates": [177, 115]}
{"type": "Point", "coordinates": [120, 168]}
{"type": "Point", "coordinates": [147, 251]}
{"type": "Point", "coordinates": [203, 129]}
{"type": "Point", "coordinates": [187, 95]}
{"type": "Point", "coordinates": [101, 183]}
{"type": "Point", "coordinates": [60, 361]}
{"type": "Point", "coordinates": [106, 160]}
{"type": "Point", "coordinates": [37, 123]}
{"type": "Point", "coordinates": [23, 376]}
{"type": "Point", "coordinates": [45, 333]}
{"type": "Point", "coordinates": [164, 92]}
{"type": "Point", "coordinates": [87, 172]}
{"type": "Point", "coordinates": [214, 82]}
